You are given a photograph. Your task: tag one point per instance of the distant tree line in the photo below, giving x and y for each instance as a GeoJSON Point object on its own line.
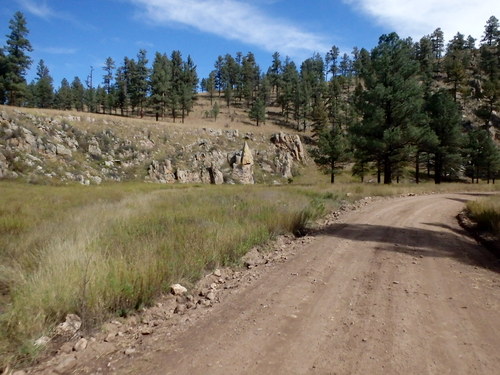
{"type": "Point", "coordinates": [168, 87]}
{"type": "Point", "coordinates": [426, 104]}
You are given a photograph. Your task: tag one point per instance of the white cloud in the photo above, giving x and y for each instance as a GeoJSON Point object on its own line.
{"type": "Point", "coordinates": [235, 20]}
{"type": "Point", "coordinates": [39, 8]}
{"type": "Point", "coordinates": [58, 50]}
{"type": "Point", "coordinates": [418, 18]}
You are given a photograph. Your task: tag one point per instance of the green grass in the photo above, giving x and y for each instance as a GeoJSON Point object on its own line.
{"type": "Point", "coordinates": [486, 213]}
{"type": "Point", "coordinates": [107, 250]}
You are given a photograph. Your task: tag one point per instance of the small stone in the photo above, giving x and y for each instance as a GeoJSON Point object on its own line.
{"type": "Point", "coordinates": [129, 351]}
{"type": "Point", "coordinates": [180, 309]}
{"type": "Point", "coordinates": [213, 286]}
{"type": "Point", "coordinates": [180, 299]}
{"type": "Point", "coordinates": [70, 325]}
{"type": "Point", "coordinates": [80, 345]}
{"type": "Point", "coordinates": [110, 337]}
{"type": "Point", "coordinates": [178, 290]}
{"type": "Point", "coordinates": [217, 273]}
{"type": "Point", "coordinates": [146, 331]}
{"type": "Point", "coordinates": [66, 348]}
{"type": "Point", "coordinates": [395, 282]}
{"type": "Point", "coordinates": [211, 296]}
{"type": "Point", "coordinates": [66, 365]}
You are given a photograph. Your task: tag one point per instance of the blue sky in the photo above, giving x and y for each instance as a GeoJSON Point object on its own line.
{"type": "Point", "coordinates": [73, 35]}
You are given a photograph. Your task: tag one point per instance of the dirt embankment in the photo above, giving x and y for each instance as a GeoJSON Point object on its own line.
{"type": "Point", "coordinates": [396, 287]}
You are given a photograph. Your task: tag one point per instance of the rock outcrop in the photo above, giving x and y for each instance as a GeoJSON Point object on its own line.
{"type": "Point", "coordinates": [242, 166]}
{"type": "Point", "coordinates": [90, 150]}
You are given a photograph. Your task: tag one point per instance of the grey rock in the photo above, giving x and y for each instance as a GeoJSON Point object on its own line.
{"type": "Point", "coordinates": [211, 296]}
{"type": "Point", "coordinates": [66, 364]}
{"type": "Point", "coordinates": [70, 326]}
{"type": "Point", "coordinates": [81, 345]}
{"type": "Point", "coordinates": [178, 289]}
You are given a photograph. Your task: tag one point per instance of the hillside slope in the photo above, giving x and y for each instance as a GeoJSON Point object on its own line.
{"type": "Point", "coordinates": [48, 145]}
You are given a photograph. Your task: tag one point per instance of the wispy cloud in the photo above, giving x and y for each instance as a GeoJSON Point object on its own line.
{"type": "Point", "coordinates": [58, 50]}
{"type": "Point", "coordinates": [38, 8]}
{"type": "Point", "coordinates": [144, 44]}
{"type": "Point", "coordinates": [235, 20]}
{"type": "Point", "coordinates": [417, 18]}
{"type": "Point", "coordinates": [41, 9]}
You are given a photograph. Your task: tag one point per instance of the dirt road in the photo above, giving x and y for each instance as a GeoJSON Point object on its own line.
{"type": "Point", "coordinates": [395, 288]}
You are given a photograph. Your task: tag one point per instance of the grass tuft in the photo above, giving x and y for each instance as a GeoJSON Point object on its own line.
{"type": "Point", "coordinates": [486, 213]}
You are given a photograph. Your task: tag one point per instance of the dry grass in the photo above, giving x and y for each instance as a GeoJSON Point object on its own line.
{"type": "Point", "coordinates": [107, 250]}
{"type": "Point", "coordinates": [235, 117]}
{"type": "Point", "coordinates": [486, 213]}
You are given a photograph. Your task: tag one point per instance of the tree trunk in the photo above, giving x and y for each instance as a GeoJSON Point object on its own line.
{"type": "Point", "coordinates": [332, 173]}
{"type": "Point", "coordinates": [417, 167]}
{"type": "Point", "coordinates": [379, 172]}
{"type": "Point", "coordinates": [437, 170]}
{"type": "Point", "coordinates": [387, 171]}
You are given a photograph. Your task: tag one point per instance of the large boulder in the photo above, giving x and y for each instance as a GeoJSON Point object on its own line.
{"type": "Point", "coordinates": [242, 166]}
{"type": "Point", "coordinates": [290, 143]}
{"type": "Point", "coordinates": [94, 148]}
{"type": "Point", "coordinates": [161, 171]}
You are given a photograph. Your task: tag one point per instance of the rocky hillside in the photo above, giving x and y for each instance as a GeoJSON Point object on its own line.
{"type": "Point", "coordinates": [91, 149]}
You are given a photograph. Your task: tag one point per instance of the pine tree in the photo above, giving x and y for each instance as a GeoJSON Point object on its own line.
{"type": "Point", "coordinates": [77, 94]}
{"type": "Point", "coordinates": [109, 67]}
{"type": "Point", "coordinates": [445, 123]}
{"type": "Point", "coordinates": [331, 62]}
{"type": "Point", "coordinates": [250, 74]}
{"type": "Point", "coordinates": [390, 104]}
{"type": "Point", "coordinates": [138, 86]}
{"type": "Point", "coordinates": [491, 35]}
{"type": "Point", "coordinates": [44, 90]}
{"type": "Point", "coordinates": [456, 62]}
{"type": "Point", "coordinates": [160, 84]}
{"type": "Point", "coordinates": [274, 74]}
{"type": "Point", "coordinates": [258, 111]}
{"type": "Point", "coordinates": [332, 149]}
{"type": "Point", "coordinates": [482, 155]}
{"type": "Point", "coordinates": [63, 97]}
{"type": "Point", "coordinates": [16, 61]}
{"type": "Point", "coordinates": [189, 86]}
{"type": "Point", "coordinates": [290, 85]}
{"type": "Point", "coordinates": [219, 82]}
{"type": "Point", "coordinates": [437, 39]}
{"type": "Point", "coordinates": [215, 110]}
{"type": "Point", "coordinates": [3, 77]}
{"type": "Point", "coordinates": [122, 84]}
{"type": "Point", "coordinates": [490, 68]}
{"type": "Point", "coordinates": [211, 86]}
{"type": "Point", "coordinates": [177, 82]}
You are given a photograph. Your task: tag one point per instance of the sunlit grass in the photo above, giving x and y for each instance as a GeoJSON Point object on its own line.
{"type": "Point", "coordinates": [486, 213]}
{"type": "Point", "coordinates": [111, 249]}
{"type": "Point", "coordinates": [103, 250]}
